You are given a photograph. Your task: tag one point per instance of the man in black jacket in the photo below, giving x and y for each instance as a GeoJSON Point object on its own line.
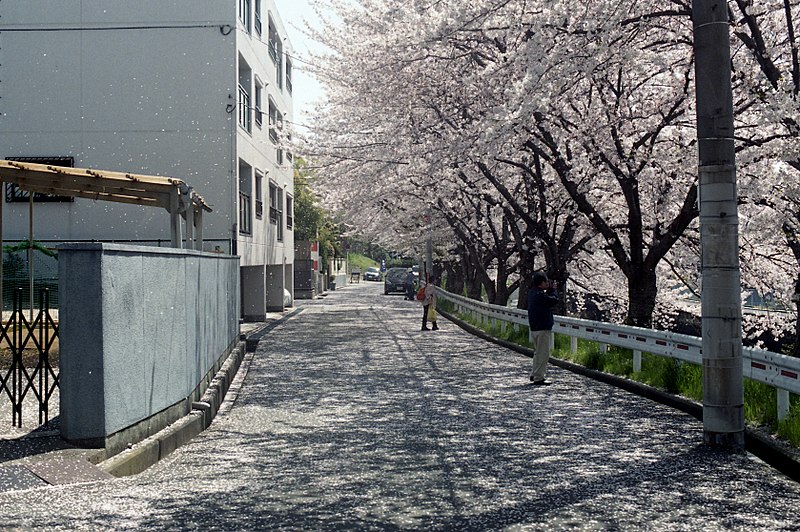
{"type": "Point", "coordinates": [541, 300]}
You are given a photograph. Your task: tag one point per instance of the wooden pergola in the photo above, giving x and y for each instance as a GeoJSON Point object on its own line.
{"type": "Point", "coordinates": [172, 194]}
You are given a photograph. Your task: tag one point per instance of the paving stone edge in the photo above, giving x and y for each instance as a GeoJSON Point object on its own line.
{"type": "Point", "coordinates": [760, 443]}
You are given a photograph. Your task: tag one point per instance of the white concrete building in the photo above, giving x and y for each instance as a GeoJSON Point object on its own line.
{"type": "Point", "coordinates": [193, 89]}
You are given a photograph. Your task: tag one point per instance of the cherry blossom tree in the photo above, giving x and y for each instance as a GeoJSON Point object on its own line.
{"type": "Point", "coordinates": [557, 135]}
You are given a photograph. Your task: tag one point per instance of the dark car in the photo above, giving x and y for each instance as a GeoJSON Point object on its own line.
{"type": "Point", "coordinates": [395, 280]}
{"type": "Point", "coordinates": [372, 274]}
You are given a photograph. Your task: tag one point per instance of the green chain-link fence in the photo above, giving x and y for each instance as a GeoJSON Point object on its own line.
{"type": "Point", "coordinates": [16, 274]}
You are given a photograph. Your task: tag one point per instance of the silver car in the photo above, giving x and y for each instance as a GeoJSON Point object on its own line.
{"type": "Point", "coordinates": [372, 274]}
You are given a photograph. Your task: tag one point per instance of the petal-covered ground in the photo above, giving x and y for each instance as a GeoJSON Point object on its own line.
{"type": "Point", "coordinates": [352, 418]}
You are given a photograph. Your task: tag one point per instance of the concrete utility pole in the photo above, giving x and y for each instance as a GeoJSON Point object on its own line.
{"type": "Point", "coordinates": [723, 390]}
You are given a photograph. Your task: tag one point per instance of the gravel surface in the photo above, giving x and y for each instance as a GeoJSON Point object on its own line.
{"type": "Point", "coordinates": [351, 418]}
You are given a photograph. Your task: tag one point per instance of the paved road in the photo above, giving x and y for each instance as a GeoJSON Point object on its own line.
{"type": "Point", "coordinates": [351, 418]}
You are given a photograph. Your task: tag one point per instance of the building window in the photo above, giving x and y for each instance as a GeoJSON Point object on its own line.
{"type": "Point", "coordinates": [279, 66]}
{"type": "Point", "coordinates": [258, 112]}
{"type": "Point", "coordinates": [274, 121]}
{"type": "Point", "coordinates": [258, 17]}
{"type": "Point", "coordinates": [273, 203]}
{"type": "Point", "coordinates": [245, 224]}
{"type": "Point", "coordinates": [244, 14]}
{"type": "Point", "coordinates": [245, 88]}
{"type": "Point", "coordinates": [259, 192]}
{"type": "Point", "coordinates": [245, 204]}
{"type": "Point", "coordinates": [244, 109]}
{"type": "Point", "coordinates": [275, 47]}
{"type": "Point", "coordinates": [279, 156]}
{"type": "Point", "coordinates": [289, 75]}
{"type": "Point", "coordinates": [289, 212]}
{"type": "Point", "coordinates": [273, 39]}
{"type": "Point", "coordinates": [280, 215]}
{"type": "Point", "coordinates": [15, 194]}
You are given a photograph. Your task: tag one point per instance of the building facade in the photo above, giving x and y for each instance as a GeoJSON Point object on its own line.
{"type": "Point", "coordinates": [200, 90]}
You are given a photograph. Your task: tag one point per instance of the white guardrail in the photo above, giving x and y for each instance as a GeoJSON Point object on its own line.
{"type": "Point", "coordinates": [774, 369]}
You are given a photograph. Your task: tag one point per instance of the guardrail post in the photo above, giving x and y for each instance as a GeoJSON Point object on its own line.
{"type": "Point", "coordinates": [552, 341]}
{"type": "Point", "coordinates": [573, 344]}
{"type": "Point", "coordinates": [637, 361]}
{"type": "Point", "coordinates": [783, 404]}
{"type": "Point", "coordinates": [603, 348]}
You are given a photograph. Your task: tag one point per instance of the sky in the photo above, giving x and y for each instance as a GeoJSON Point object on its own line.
{"type": "Point", "coordinates": [306, 90]}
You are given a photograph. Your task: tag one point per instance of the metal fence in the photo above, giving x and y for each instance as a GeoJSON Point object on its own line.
{"type": "Point", "coordinates": [774, 369]}
{"type": "Point", "coordinates": [28, 344]}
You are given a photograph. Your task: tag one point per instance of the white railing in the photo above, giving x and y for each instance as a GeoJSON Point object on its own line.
{"type": "Point", "coordinates": [774, 369]}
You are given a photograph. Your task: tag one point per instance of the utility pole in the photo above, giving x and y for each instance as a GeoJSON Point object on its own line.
{"type": "Point", "coordinates": [723, 390]}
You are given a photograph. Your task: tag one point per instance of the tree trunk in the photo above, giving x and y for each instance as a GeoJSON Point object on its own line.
{"type": "Point", "coordinates": [474, 286]}
{"type": "Point", "coordinates": [501, 292]}
{"type": "Point", "coordinates": [455, 278]}
{"type": "Point", "coordinates": [642, 293]}
{"type": "Point", "coordinates": [525, 278]}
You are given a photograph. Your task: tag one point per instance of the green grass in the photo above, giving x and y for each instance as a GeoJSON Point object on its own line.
{"type": "Point", "coordinates": [760, 404]}
{"type": "Point", "coordinates": [789, 428]}
{"type": "Point", "coordinates": [360, 262]}
{"type": "Point", "coordinates": [671, 375]}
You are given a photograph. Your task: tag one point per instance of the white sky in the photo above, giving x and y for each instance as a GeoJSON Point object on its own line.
{"type": "Point", "coordinates": [306, 90]}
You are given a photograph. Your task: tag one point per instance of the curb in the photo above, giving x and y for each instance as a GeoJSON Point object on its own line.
{"type": "Point", "coordinates": [779, 455]}
{"type": "Point", "coordinates": [255, 336]}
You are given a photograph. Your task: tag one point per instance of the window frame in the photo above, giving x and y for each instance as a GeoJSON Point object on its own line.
{"type": "Point", "coordinates": [245, 117]}
{"type": "Point", "coordinates": [244, 15]}
{"type": "Point", "coordinates": [289, 212]}
{"type": "Point", "coordinates": [273, 198]}
{"type": "Point", "coordinates": [273, 121]}
{"type": "Point", "coordinates": [259, 119]}
{"type": "Point", "coordinates": [259, 195]}
{"type": "Point", "coordinates": [257, 17]}
{"type": "Point", "coordinates": [289, 68]}
{"type": "Point", "coordinates": [279, 224]}
{"type": "Point", "coordinates": [273, 38]}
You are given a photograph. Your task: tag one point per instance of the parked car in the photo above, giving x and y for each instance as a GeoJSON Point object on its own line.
{"type": "Point", "coordinates": [372, 274]}
{"type": "Point", "coordinates": [395, 280]}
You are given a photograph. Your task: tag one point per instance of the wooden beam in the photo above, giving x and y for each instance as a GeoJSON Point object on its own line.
{"type": "Point", "coordinates": [104, 185]}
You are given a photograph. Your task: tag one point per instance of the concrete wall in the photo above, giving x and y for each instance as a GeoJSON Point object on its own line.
{"type": "Point", "coordinates": [140, 330]}
{"type": "Point", "coordinates": [254, 301]}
